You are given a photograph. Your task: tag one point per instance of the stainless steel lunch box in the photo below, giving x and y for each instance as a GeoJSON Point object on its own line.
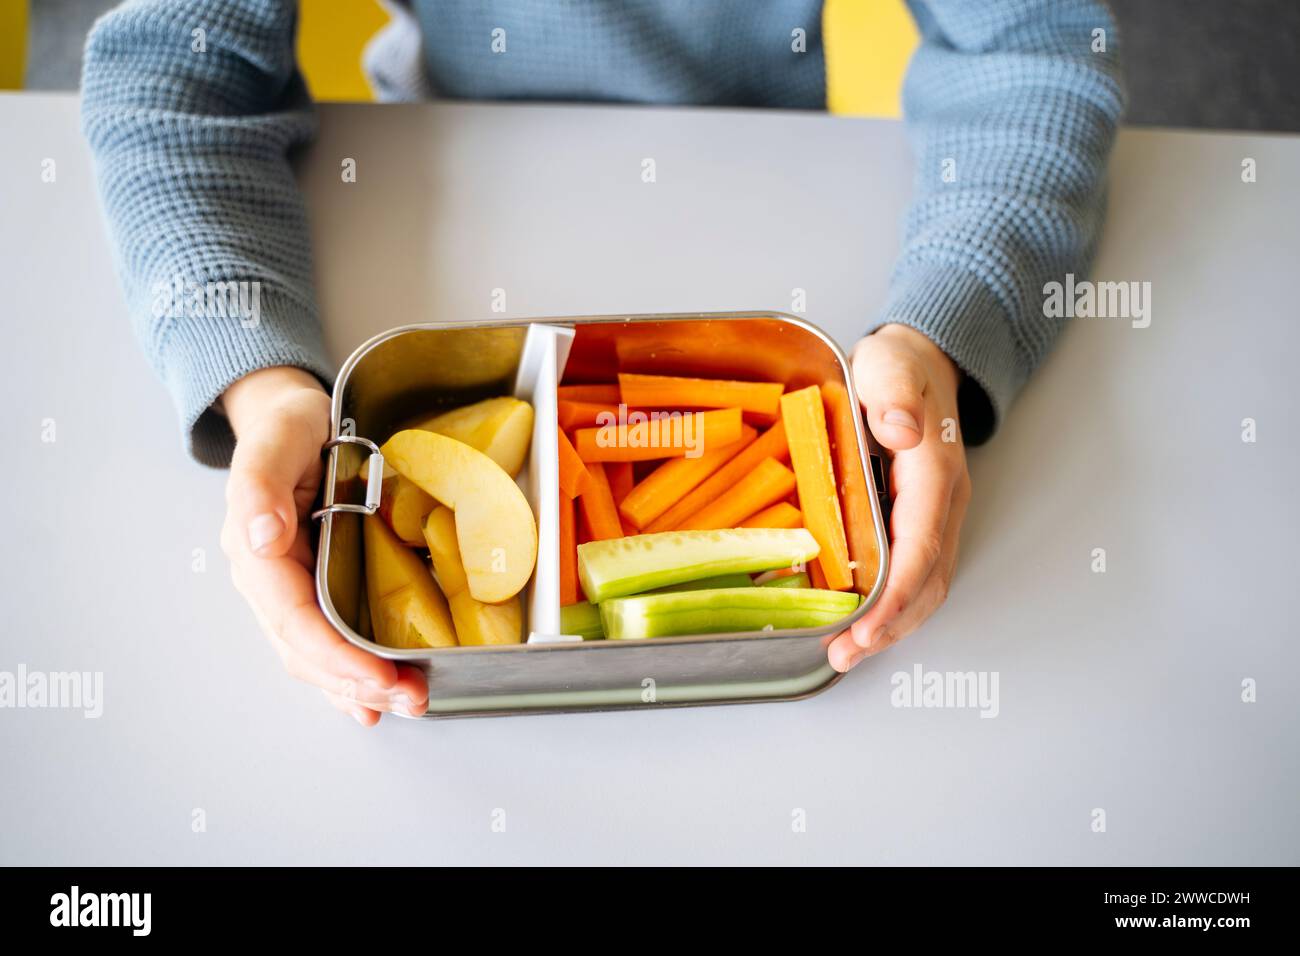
{"type": "Point", "coordinates": [419, 368]}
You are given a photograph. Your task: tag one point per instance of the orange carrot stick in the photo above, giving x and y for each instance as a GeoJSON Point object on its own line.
{"type": "Point", "coordinates": [815, 574]}
{"type": "Point", "coordinates": [603, 394]}
{"type": "Point", "coordinates": [586, 414]}
{"type": "Point", "coordinates": [619, 474]}
{"type": "Point", "coordinates": [770, 444]}
{"type": "Point", "coordinates": [780, 515]}
{"type": "Point", "coordinates": [853, 482]}
{"type": "Point", "coordinates": [672, 480]}
{"type": "Point", "coordinates": [768, 483]}
{"type": "Point", "coordinates": [622, 479]}
{"type": "Point", "coordinates": [568, 553]}
{"type": "Point", "coordinates": [598, 505]}
{"type": "Point", "coordinates": [573, 473]}
{"type": "Point", "coordinates": [810, 454]}
{"type": "Point", "coordinates": [669, 435]}
{"type": "Point", "coordinates": [669, 391]}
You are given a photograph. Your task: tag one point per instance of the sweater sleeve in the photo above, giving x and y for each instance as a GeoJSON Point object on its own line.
{"type": "Point", "coordinates": [191, 108]}
{"type": "Point", "coordinates": [1011, 109]}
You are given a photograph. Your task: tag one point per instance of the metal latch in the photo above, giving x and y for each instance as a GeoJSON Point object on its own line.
{"type": "Point", "coordinates": [374, 479]}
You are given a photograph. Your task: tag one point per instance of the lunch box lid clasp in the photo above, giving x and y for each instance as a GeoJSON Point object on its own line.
{"type": "Point", "coordinates": [374, 479]}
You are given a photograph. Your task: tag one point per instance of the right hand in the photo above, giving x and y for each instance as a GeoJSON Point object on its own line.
{"type": "Point", "coordinates": [908, 388]}
{"type": "Point", "coordinates": [280, 417]}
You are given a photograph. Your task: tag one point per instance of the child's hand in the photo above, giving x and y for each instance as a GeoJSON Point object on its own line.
{"type": "Point", "coordinates": [281, 419]}
{"type": "Point", "coordinates": [908, 387]}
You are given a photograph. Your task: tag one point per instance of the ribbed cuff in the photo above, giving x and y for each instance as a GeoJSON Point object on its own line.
{"type": "Point", "coordinates": [959, 313]}
{"type": "Point", "coordinates": [202, 357]}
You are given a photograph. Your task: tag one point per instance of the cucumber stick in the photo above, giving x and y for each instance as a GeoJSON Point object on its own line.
{"type": "Point", "coordinates": [737, 580]}
{"type": "Point", "coordinates": [722, 611]}
{"type": "Point", "coordinates": [617, 567]}
{"type": "Point", "coordinates": [581, 619]}
{"type": "Point", "coordinates": [799, 580]}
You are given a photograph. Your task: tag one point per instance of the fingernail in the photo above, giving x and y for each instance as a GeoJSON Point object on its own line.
{"type": "Point", "coordinates": [359, 715]}
{"type": "Point", "coordinates": [371, 684]}
{"type": "Point", "coordinates": [861, 636]}
{"type": "Point", "coordinates": [264, 529]}
{"type": "Point", "coordinates": [401, 702]}
{"type": "Point", "coordinates": [896, 416]}
{"type": "Point", "coordinates": [879, 638]}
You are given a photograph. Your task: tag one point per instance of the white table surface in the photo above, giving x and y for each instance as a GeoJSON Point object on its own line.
{"type": "Point", "coordinates": [1119, 691]}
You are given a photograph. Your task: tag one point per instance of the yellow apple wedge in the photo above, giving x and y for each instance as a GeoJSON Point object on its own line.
{"type": "Point", "coordinates": [406, 607]}
{"type": "Point", "coordinates": [476, 622]}
{"type": "Point", "coordinates": [495, 527]}
{"type": "Point", "coordinates": [403, 505]}
{"type": "Point", "coordinates": [501, 428]}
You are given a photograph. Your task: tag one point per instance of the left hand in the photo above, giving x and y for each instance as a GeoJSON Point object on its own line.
{"type": "Point", "coordinates": [908, 387]}
{"type": "Point", "coordinates": [281, 418]}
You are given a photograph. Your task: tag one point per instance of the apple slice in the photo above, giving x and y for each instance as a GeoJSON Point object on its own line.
{"type": "Point", "coordinates": [403, 505]}
{"type": "Point", "coordinates": [495, 527]}
{"type": "Point", "coordinates": [501, 428]}
{"type": "Point", "coordinates": [476, 623]}
{"type": "Point", "coordinates": [406, 607]}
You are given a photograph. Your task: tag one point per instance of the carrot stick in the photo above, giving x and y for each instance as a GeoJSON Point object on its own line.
{"type": "Point", "coordinates": [573, 473]}
{"type": "Point", "coordinates": [667, 484]}
{"type": "Point", "coordinates": [768, 483]}
{"type": "Point", "coordinates": [621, 481]}
{"type": "Point", "coordinates": [770, 444]}
{"type": "Point", "coordinates": [586, 414]}
{"type": "Point", "coordinates": [584, 532]}
{"type": "Point", "coordinates": [677, 435]}
{"type": "Point", "coordinates": [669, 391]}
{"type": "Point", "coordinates": [810, 454]}
{"type": "Point", "coordinates": [604, 394]}
{"type": "Point", "coordinates": [841, 409]}
{"type": "Point", "coordinates": [780, 515]}
{"type": "Point", "coordinates": [619, 474]}
{"type": "Point", "coordinates": [816, 575]}
{"type": "Point", "coordinates": [568, 553]}
{"type": "Point", "coordinates": [598, 505]}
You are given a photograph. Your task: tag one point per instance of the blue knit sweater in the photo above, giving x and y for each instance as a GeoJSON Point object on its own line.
{"type": "Point", "coordinates": [1012, 106]}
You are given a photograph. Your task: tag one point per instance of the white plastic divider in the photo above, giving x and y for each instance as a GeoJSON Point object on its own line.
{"type": "Point", "coordinates": [546, 351]}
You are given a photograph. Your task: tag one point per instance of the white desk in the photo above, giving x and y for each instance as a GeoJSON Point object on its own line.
{"type": "Point", "coordinates": [1119, 691]}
